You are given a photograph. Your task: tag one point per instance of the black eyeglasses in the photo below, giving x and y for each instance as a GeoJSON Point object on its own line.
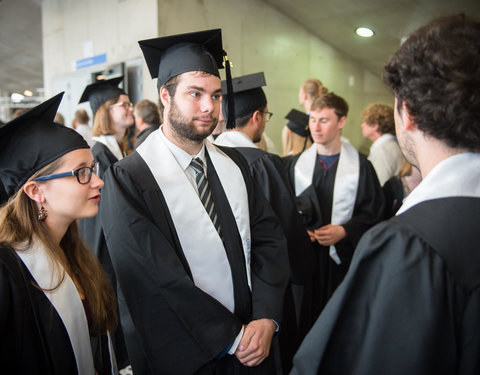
{"type": "Point", "coordinates": [83, 174]}
{"type": "Point", "coordinates": [268, 115]}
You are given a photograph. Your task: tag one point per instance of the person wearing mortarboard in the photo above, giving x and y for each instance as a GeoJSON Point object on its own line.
{"type": "Point", "coordinates": [251, 115]}
{"type": "Point", "coordinates": [113, 115]}
{"type": "Point", "coordinates": [53, 292]}
{"type": "Point", "coordinates": [199, 256]}
{"type": "Point", "coordinates": [337, 192]}
{"type": "Point", "coordinates": [297, 138]}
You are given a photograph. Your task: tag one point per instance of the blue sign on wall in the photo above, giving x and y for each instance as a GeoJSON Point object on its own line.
{"type": "Point", "coordinates": [89, 61]}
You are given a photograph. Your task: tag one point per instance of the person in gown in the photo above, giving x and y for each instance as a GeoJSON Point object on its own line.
{"type": "Point", "coordinates": [251, 116]}
{"type": "Point", "coordinates": [337, 192]}
{"type": "Point", "coordinates": [410, 303]}
{"type": "Point", "coordinates": [54, 296]}
{"type": "Point", "coordinates": [200, 258]}
{"type": "Point", "coordinates": [295, 142]}
{"type": "Point", "coordinates": [113, 115]}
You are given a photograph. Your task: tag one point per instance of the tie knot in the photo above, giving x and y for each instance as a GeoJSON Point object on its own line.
{"type": "Point", "coordinates": [197, 165]}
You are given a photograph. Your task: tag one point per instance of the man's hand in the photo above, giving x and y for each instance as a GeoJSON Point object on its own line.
{"type": "Point", "coordinates": [330, 234]}
{"type": "Point", "coordinates": [255, 344]}
{"type": "Point", "coordinates": [311, 235]}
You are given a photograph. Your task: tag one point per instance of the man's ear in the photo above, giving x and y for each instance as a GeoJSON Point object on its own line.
{"type": "Point", "coordinates": [164, 96]}
{"type": "Point", "coordinates": [342, 121]}
{"type": "Point", "coordinates": [257, 117]}
{"type": "Point", "coordinates": [34, 192]}
{"type": "Point", "coordinates": [408, 119]}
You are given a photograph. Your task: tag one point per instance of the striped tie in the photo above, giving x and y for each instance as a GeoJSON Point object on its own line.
{"type": "Point", "coordinates": [204, 192]}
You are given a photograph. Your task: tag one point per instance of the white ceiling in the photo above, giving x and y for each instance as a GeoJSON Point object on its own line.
{"type": "Point", "coordinates": [333, 21]}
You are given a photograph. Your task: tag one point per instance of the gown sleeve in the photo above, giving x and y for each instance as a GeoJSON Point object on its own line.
{"type": "Point", "coordinates": [397, 312]}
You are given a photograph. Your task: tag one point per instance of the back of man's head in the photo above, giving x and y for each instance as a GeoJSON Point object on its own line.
{"type": "Point", "coordinates": [330, 100]}
{"type": "Point", "coordinates": [81, 117]}
{"type": "Point", "coordinates": [148, 111]}
{"type": "Point", "coordinates": [436, 73]}
{"type": "Point", "coordinates": [381, 115]}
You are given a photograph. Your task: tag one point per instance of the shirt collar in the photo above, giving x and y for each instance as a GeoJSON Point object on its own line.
{"type": "Point", "coordinates": [381, 140]}
{"type": "Point", "coordinates": [456, 176]}
{"type": "Point", "coordinates": [182, 157]}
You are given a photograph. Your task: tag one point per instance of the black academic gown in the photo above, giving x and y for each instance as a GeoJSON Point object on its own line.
{"type": "Point", "coordinates": [316, 203]}
{"type": "Point", "coordinates": [170, 325]}
{"type": "Point", "coordinates": [267, 170]}
{"type": "Point", "coordinates": [410, 303]}
{"type": "Point", "coordinates": [92, 233]}
{"type": "Point", "coordinates": [33, 339]}
{"type": "Point", "coordinates": [141, 136]}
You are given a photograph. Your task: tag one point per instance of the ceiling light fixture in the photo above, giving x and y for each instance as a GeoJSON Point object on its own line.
{"type": "Point", "coordinates": [364, 32]}
{"type": "Point", "coordinates": [16, 97]}
{"type": "Point", "coordinates": [28, 93]}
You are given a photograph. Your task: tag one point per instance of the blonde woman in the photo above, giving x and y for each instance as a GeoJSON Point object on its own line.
{"type": "Point", "coordinates": [294, 140]}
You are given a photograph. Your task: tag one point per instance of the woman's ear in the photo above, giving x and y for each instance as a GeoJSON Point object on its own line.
{"type": "Point", "coordinates": [33, 191]}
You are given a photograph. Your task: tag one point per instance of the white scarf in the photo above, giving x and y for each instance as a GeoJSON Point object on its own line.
{"type": "Point", "coordinates": [234, 138]}
{"type": "Point", "coordinates": [65, 300]}
{"type": "Point", "coordinates": [456, 176]}
{"type": "Point", "coordinates": [198, 237]}
{"type": "Point", "coordinates": [111, 143]}
{"type": "Point", "coordinates": [344, 192]}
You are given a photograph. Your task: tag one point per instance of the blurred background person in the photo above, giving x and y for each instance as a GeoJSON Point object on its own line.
{"type": "Point", "coordinates": [379, 127]}
{"type": "Point", "coordinates": [147, 119]}
{"type": "Point", "coordinates": [81, 126]}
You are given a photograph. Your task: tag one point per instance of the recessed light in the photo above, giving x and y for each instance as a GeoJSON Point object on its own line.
{"type": "Point", "coordinates": [16, 97]}
{"type": "Point", "coordinates": [364, 32]}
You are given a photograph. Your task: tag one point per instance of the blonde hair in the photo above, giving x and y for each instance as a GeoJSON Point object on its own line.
{"type": "Point", "coordinates": [293, 143]}
{"type": "Point", "coordinates": [103, 124]}
{"type": "Point", "coordinates": [313, 88]}
{"type": "Point", "coordinates": [19, 224]}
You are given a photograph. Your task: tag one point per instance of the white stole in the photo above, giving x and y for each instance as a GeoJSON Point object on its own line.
{"type": "Point", "coordinates": [200, 241]}
{"type": "Point", "coordinates": [111, 143]}
{"type": "Point", "coordinates": [65, 300]}
{"type": "Point", "coordinates": [234, 138]}
{"type": "Point", "coordinates": [344, 192]}
{"type": "Point", "coordinates": [456, 176]}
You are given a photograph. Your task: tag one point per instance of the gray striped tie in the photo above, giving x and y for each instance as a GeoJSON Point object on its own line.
{"type": "Point", "coordinates": [204, 192]}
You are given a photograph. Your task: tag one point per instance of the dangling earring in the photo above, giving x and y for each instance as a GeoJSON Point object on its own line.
{"type": "Point", "coordinates": [43, 214]}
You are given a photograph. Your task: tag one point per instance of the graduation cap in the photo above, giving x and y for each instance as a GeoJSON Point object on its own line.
{"type": "Point", "coordinates": [31, 142]}
{"type": "Point", "coordinates": [98, 93]}
{"type": "Point", "coordinates": [170, 56]}
{"type": "Point", "coordinates": [248, 95]}
{"type": "Point", "coordinates": [298, 122]}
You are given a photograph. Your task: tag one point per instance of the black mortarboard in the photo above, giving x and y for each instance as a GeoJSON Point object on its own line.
{"type": "Point", "coordinates": [31, 142]}
{"type": "Point", "coordinates": [248, 95]}
{"type": "Point", "coordinates": [99, 92]}
{"type": "Point", "coordinates": [298, 122]}
{"type": "Point", "coordinates": [170, 56]}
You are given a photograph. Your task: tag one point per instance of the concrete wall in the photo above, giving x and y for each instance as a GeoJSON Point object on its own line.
{"type": "Point", "coordinates": [256, 36]}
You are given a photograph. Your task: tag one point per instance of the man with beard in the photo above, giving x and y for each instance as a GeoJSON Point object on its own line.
{"type": "Point", "coordinates": [410, 302]}
{"type": "Point", "coordinates": [199, 257]}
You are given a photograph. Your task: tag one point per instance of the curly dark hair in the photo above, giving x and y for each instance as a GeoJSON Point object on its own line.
{"type": "Point", "coordinates": [436, 73]}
